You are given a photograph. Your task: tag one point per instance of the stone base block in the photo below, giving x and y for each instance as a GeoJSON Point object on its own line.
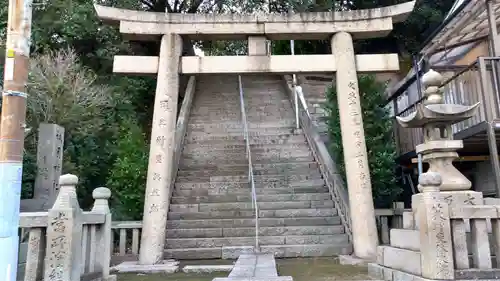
{"type": "Point", "coordinates": [109, 278]}
{"type": "Point", "coordinates": [408, 221]}
{"type": "Point", "coordinates": [194, 253]}
{"type": "Point", "coordinates": [168, 266]}
{"type": "Point", "coordinates": [280, 278]}
{"type": "Point", "coordinates": [400, 259]}
{"type": "Point", "coordinates": [207, 268]}
{"type": "Point", "coordinates": [232, 253]}
{"type": "Point", "coordinates": [351, 260]}
{"type": "Point", "coordinates": [390, 274]}
{"type": "Point", "coordinates": [452, 198]}
{"type": "Point", "coordinates": [405, 239]}
{"type": "Point", "coordinates": [477, 274]}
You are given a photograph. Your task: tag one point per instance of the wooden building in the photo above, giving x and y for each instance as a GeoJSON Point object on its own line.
{"type": "Point", "coordinates": [465, 49]}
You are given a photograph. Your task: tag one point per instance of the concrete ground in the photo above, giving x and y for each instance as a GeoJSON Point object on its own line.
{"type": "Point", "coordinates": [320, 269]}
{"type": "Point", "coordinates": [301, 269]}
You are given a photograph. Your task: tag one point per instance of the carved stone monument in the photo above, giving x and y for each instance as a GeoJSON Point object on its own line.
{"type": "Point", "coordinates": [49, 162]}
{"type": "Point", "coordinates": [64, 234]}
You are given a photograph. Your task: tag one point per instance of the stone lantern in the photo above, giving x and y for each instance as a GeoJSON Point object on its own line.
{"type": "Point", "coordinates": [439, 148]}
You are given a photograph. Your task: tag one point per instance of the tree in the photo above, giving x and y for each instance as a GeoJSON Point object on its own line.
{"type": "Point", "coordinates": [406, 39]}
{"type": "Point", "coordinates": [379, 139]}
{"type": "Point", "coordinates": [127, 176]}
{"type": "Point", "coordinates": [65, 92]}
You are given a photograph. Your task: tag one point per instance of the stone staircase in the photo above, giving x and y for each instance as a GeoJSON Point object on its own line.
{"type": "Point", "coordinates": [211, 213]}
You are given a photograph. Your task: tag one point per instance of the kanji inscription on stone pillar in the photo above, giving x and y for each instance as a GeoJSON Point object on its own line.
{"type": "Point", "coordinates": [365, 239]}
{"type": "Point", "coordinates": [161, 152]}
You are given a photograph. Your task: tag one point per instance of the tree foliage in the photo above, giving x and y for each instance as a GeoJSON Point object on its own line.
{"type": "Point", "coordinates": [379, 138]}
{"type": "Point", "coordinates": [64, 92]}
{"type": "Point", "coordinates": [108, 117]}
{"type": "Point", "coordinates": [127, 177]}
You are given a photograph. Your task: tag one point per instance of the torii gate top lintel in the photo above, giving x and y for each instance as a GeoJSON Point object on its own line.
{"type": "Point", "coordinates": [365, 23]}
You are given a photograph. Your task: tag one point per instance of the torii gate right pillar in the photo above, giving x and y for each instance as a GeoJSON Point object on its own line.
{"type": "Point", "coordinates": [364, 229]}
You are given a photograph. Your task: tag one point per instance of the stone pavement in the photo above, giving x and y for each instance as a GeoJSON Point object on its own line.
{"type": "Point", "coordinates": [255, 267]}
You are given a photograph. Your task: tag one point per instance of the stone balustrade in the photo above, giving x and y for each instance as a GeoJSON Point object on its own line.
{"type": "Point", "coordinates": [473, 245]}
{"type": "Point", "coordinates": [126, 235]}
{"type": "Point", "coordinates": [389, 218]}
{"type": "Point", "coordinates": [66, 243]}
{"type": "Point", "coordinates": [123, 245]}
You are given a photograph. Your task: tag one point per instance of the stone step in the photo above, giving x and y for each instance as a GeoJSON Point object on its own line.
{"type": "Point", "coordinates": [207, 111]}
{"type": "Point", "coordinates": [250, 222]}
{"type": "Point", "coordinates": [292, 213]}
{"type": "Point", "coordinates": [211, 207]}
{"type": "Point", "coordinates": [240, 170]}
{"type": "Point", "coordinates": [242, 161]}
{"type": "Point", "coordinates": [253, 119]}
{"type": "Point", "coordinates": [257, 152]}
{"type": "Point", "coordinates": [251, 132]}
{"type": "Point", "coordinates": [273, 95]}
{"type": "Point", "coordinates": [235, 106]}
{"type": "Point", "coordinates": [233, 92]}
{"type": "Point", "coordinates": [254, 139]}
{"type": "Point", "coordinates": [257, 168]}
{"type": "Point", "coordinates": [228, 127]}
{"type": "Point", "coordinates": [293, 187]}
{"type": "Point", "coordinates": [279, 251]}
{"type": "Point", "coordinates": [248, 197]}
{"type": "Point", "coordinates": [250, 231]}
{"type": "Point", "coordinates": [236, 117]}
{"type": "Point", "coordinates": [179, 243]}
{"type": "Point", "coordinates": [276, 179]}
{"type": "Point", "coordinates": [222, 147]}
{"type": "Point", "coordinates": [246, 191]}
{"type": "Point", "coordinates": [254, 130]}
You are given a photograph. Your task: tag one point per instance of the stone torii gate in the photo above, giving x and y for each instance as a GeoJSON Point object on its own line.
{"type": "Point", "coordinates": [340, 27]}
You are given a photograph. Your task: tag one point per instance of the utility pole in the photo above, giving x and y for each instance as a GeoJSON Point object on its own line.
{"type": "Point", "coordinates": [12, 132]}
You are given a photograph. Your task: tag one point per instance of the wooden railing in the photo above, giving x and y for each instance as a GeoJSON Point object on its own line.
{"type": "Point", "coordinates": [463, 85]}
{"type": "Point", "coordinates": [66, 243]}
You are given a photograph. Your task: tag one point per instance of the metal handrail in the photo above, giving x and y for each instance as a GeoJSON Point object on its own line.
{"type": "Point", "coordinates": [297, 92]}
{"type": "Point", "coordinates": [250, 163]}
{"type": "Point", "coordinates": [334, 182]}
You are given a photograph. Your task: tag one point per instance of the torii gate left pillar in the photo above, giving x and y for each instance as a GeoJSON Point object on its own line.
{"type": "Point", "coordinates": [156, 203]}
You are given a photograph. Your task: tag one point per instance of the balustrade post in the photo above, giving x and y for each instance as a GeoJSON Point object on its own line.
{"type": "Point", "coordinates": [64, 234]}
{"type": "Point", "coordinates": [35, 255]}
{"type": "Point", "coordinates": [435, 230]}
{"type": "Point", "coordinates": [101, 196]}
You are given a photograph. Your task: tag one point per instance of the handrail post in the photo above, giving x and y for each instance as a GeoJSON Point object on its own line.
{"type": "Point", "coordinates": [101, 196]}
